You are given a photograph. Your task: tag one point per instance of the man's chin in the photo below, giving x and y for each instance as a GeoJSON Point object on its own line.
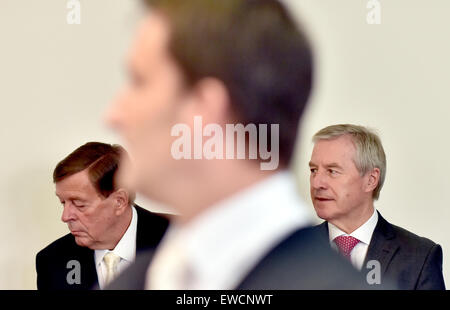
{"type": "Point", "coordinates": [82, 241]}
{"type": "Point", "coordinates": [323, 213]}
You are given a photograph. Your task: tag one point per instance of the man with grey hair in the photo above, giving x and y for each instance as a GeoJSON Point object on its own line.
{"type": "Point", "coordinates": [348, 168]}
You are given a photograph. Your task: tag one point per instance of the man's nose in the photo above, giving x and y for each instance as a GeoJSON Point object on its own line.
{"type": "Point", "coordinates": [68, 213]}
{"type": "Point", "coordinates": [112, 114]}
{"type": "Point", "coordinates": [318, 181]}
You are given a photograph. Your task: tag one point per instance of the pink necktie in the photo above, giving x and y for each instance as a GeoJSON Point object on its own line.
{"type": "Point", "coordinates": [346, 244]}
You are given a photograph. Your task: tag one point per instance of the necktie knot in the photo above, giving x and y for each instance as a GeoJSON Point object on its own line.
{"type": "Point", "coordinates": [111, 261]}
{"type": "Point", "coordinates": [346, 244]}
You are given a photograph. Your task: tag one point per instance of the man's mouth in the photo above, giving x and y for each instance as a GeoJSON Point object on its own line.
{"type": "Point", "coordinates": [76, 232]}
{"type": "Point", "coordinates": [323, 199]}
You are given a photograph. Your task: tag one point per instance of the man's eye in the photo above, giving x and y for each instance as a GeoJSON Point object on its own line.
{"type": "Point", "coordinates": [78, 204]}
{"type": "Point", "coordinates": [137, 81]}
{"type": "Point", "coordinates": [313, 170]}
{"type": "Point", "coordinates": [332, 171]}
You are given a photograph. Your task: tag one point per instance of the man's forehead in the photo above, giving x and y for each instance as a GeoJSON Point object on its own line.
{"type": "Point", "coordinates": [72, 194]}
{"type": "Point", "coordinates": [76, 184]}
{"type": "Point", "coordinates": [151, 36]}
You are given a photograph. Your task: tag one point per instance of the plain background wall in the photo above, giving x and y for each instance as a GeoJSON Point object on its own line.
{"type": "Point", "coordinates": [57, 79]}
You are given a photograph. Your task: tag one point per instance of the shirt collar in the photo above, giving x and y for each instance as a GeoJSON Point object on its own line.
{"type": "Point", "coordinates": [363, 233]}
{"type": "Point", "coordinates": [126, 248]}
{"type": "Point", "coordinates": [251, 221]}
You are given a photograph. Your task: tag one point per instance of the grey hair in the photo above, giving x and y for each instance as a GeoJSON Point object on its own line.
{"type": "Point", "coordinates": [369, 150]}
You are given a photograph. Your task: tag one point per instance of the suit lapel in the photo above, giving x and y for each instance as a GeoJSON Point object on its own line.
{"type": "Point", "coordinates": [89, 272]}
{"type": "Point", "coordinates": [322, 229]}
{"type": "Point", "coordinates": [382, 246]}
{"type": "Point", "coordinates": [85, 257]}
{"type": "Point", "coordinates": [150, 229]}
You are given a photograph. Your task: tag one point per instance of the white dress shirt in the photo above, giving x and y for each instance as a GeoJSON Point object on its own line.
{"type": "Point", "coordinates": [125, 249]}
{"type": "Point", "coordinates": [363, 234]}
{"type": "Point", "coordinates": [220, 247]}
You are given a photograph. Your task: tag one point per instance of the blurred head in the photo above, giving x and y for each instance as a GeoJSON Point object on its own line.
{"type": "Point", "coordinates": [96, 210]}
{"type": "Point", "coordinates": [234, 61]}
{"type": "Point", "coordinates": [348, 167]}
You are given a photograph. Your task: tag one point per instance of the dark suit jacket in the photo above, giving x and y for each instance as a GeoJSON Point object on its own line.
{"type": "Point", "coordinates": [410, 262]}
{"type": "Point", "coordinates": [51, 262]}
{"type": "Point", "coordinates": [301, 261]}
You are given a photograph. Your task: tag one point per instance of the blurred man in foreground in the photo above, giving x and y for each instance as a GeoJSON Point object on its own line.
{"type": "Point", "coordinates": [242, 223]}
{"type": "Point", "coordinates": [106, 227]}
{"type": "Point", "coordinates": [348, 168]}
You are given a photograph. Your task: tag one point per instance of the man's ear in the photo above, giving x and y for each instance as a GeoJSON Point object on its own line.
{"type": "Point", "coordinates": [212, 100]}
{"type": "Point", "coordinates": [120, 200]}
{"type": "Point", "coordinates": [373, 179]}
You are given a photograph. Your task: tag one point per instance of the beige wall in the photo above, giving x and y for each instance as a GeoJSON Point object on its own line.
{"type": "Point", "coordinates": [57, 80]}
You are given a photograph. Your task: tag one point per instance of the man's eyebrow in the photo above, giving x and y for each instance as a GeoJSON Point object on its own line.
{"type": "Point", "coordinates": [333, 165]}
{"type": "Point", "coordinates": [73, 197]}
